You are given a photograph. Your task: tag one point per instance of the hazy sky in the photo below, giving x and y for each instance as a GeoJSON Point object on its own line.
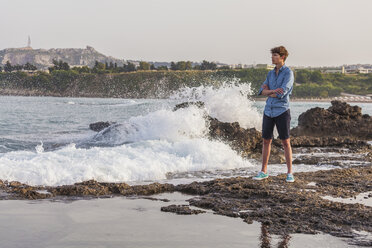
{"type": "Point", "coordinates": [316, 32]}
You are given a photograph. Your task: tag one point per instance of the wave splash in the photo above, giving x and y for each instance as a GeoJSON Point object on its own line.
{"type": "Point", "coordinates": [228, 102]}
{"type": "Point", "coordinates": [144, 148]}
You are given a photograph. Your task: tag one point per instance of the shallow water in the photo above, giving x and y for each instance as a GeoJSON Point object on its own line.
{"type": "Point", "coordinates": [47, 141]}
{"type": "Point", "coordinates": [362, 198]}
{"type": "Point", "coordinates": [126, 222]}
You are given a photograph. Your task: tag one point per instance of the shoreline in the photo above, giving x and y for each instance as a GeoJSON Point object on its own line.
{"type": "Point", "coordinates": [282, 208]}
{"type": "Point", "coordinates": [136, 222]}
{"type": "Point", "coordinates": [258, 99]}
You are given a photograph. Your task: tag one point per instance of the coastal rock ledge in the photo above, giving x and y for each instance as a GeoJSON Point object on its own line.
{"type": "Point", "coordinates": [281, 207]}
{"type": "Point", "coordinates": [340, 119]}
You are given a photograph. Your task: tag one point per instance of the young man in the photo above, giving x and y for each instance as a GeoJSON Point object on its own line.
{"type": "Point", "coordinates": [278, 87]}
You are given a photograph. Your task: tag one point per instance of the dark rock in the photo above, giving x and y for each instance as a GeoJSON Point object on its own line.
{"type": "Point", "coordinates": [248, 220]}
{"type": "Point", "coordinates": [149, 189]}
{"type": "Point", "coordinates": [328, 141]}
{"type": "Point", "coordinates": [276, 155]}
{"type": "Point", "coordinates": [341, 161]}
{"type": "Point", "coordinates": [198, 104]}
{"type": "Point", "coordinates": [181, 209]}
{"type": "Point", "coordinates": [306, 160]}
{"type": "Point", "coordinates": [281, 207]}
{"type": "Point", "coordinates": [91, 188]}
{"type": "Point", "coordinates": [15, 184]}
{"type": "Point", "coordinates": [342, 108]}
{"type": "Point", "coordinates": [99, 126]}
{"type": "Point", "coordinates": [31, 194]}
{"type": "Point", "coordinates": [340, 119]}
{"type": "Point", "coordinates": [292, 209]}
{"type": "Point", "coordinates": [94, 188]}
{"type": "Point", "coordinates": [243, 140]}
{"type": "Point", "coordinates": [23, 191]}
{"type": "Point", "coordinates": [155, 199]}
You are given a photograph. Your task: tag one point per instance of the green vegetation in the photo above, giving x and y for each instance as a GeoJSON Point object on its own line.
{"type": "Point", "coordinates": [140, 84]}
{"type": "Point", "coordinates": [8, 67]}
{"type": "Point", "coordinates": [144, 66]}
{"type": "Point", "coordinates": [181, 66]}
{"type": "Point", "coordinates": [59, 65]}
{"type": "Point", "coordinates": [317, 84]}
{"type": "Point", "coordinates": [146, 81]}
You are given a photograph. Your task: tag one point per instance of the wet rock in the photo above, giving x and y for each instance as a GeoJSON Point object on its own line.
{"type": "Point", "coordinates": [276, 155]}
{"type": "Point", "coordinates": [94, 188]}
{"type": "Point", "coordinates": [340, 119]}
{"type": "Point", "coordinates": [198, 104]}
{"type": "Point", "coordinates": [99, 126]}
{"type": "Point", "coordinates": [23, 191]}
{"type": "Point", "coordinates": [31, 194]}
{"type": "Point", "coordinates": [246, 141]}
{"type": "Point", "coordinates": [87, 188]}
{"type": "Point", "coordinates": [327, 141]}
{"type": "Point", "coordinates": [248, 220]}
{"type": "Point", "coordinates": [155, 199]}
{"type": "Point", "coordinates": [368, 157]}
{"type": "Point", "coordinates": [298, 207]}
{"type": "Point", "coordinates": [340, 160]}
{"type": "Point", "coordinates": [83, 189]}
{"type": "Point", "coordinates": [181, 209]}
{"type": "Point", "coordinates": [306, 160]}
{"type": "Point", "coordinates": [150, 189]}
{"type": "Point", "coordinates": [290, 208]}
{"type": "Point", "coordinates": [193, 188]}
{"type": "Point", "coordinates": [15, 184]}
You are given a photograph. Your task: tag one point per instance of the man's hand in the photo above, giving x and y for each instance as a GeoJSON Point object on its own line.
{"type": "Point", "coordinates": [273, 95]}
{"type": "Point", "coordinates": [279, 91]}
{"type": "Point", "coordinates": [276, 91]}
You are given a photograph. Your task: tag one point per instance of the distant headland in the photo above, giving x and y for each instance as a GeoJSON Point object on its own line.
{"type": "Point", "coordinates": [85, 72]}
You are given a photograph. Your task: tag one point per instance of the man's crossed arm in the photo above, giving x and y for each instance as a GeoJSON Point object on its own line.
{"type": "Point", "coordinates": [271, 93]}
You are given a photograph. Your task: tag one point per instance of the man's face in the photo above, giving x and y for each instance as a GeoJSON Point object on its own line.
{"type": "Point", "coordinates": [275, 58]}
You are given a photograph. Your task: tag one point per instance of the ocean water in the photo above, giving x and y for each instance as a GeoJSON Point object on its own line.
{"type": "Point", "coordinates": [47, 140]}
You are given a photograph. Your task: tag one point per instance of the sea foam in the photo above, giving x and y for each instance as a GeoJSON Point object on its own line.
{"type": "Point", "coordinates": [145, 147]}
{"type": "Point", "coordinates": [228, 102]}
{"type": "Point", "coordinates": [140, 161]}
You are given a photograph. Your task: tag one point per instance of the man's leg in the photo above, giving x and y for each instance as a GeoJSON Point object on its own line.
{"type": "Point", "coordinates": [267, 134]}
{"type": "Point", "coordinates": [282, 123]}
{"type": "Point", "coordinates": [266, 148]}
{"type": "Point", "coordinates": [288, 154]}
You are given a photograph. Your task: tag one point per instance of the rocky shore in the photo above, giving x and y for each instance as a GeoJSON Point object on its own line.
{"type": "Point", "coordinates": [282, 208]}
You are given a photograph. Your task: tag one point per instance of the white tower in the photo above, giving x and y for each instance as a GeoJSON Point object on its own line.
{"type": "Point", "coordinates": [29, 42]}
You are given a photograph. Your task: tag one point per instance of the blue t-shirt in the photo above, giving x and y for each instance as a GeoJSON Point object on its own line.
{"type": "Point", "coordinates": [276, 106]}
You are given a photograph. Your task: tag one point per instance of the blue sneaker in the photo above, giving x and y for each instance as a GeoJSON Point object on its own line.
{"type": "Point", "coordinates": [261, 175]}
{"type": "Point", "coordinates": [290, 178]}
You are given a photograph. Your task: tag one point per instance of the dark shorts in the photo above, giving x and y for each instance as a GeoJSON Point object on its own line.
{"type": "Point", "coordinates": [282, 123]}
